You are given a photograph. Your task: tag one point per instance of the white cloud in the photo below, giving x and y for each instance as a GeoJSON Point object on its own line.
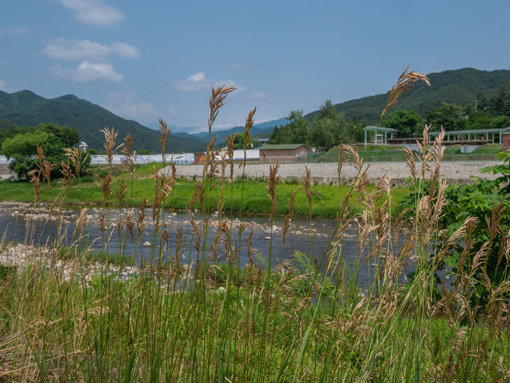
{"type": "Point", "coordinates": [197, 77]}
{"type": "Point", "coordinates": [3, 85]}
{"type": "Point", "coordinates": [88, 72]}
{"type": "Point", "coordinates": [94, 12]}
{"type": "Point", "coordinates": [125, 50]}
{"type": "Point", "coordinates": [4, 62]}
{"type": "Point", "coordinates": [128, 104]}
{"type": "Point", "coordinates": [13, 31]}
{"type": "Point", "coordinates": [65, 49]}
{"type": "Point", "coordinates": [199, 81]}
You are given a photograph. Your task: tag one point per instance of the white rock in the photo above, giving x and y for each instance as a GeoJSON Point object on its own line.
{"type": "Point", "coordinates": [147, 244]}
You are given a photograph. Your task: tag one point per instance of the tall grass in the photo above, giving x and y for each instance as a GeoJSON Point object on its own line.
{"type": "Point", "coordinates": [305, 319]}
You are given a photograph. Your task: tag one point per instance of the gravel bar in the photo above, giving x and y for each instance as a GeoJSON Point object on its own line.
{"type": "Point", "coordinates": [326, 173]}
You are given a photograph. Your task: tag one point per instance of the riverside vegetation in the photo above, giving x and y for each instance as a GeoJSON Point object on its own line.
{"type": "Point", "coordinates": [253, 202]}
{"type": "Point", "coordinates": [303, 320]}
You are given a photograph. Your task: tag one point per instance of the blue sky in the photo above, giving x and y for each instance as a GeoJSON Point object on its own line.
{"type": "Point", "coordinates": [148, 59]}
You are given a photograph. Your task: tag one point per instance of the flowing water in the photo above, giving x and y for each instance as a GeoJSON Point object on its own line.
{"type": "Point", "coordinates": [312, 240]}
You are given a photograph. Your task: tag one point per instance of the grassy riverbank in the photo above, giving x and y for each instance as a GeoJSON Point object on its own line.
{"type": "Point", "coordinates": [142, 330]}
{"type": "Point", "coordinates": [327, 199]}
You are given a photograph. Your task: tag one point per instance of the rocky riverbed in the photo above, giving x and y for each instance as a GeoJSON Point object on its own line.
{"type": "Point", "coordinates": [20, 255]}
{"type": "Point", "coordinates": [44, 227]}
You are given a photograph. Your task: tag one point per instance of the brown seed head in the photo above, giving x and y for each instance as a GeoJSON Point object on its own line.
{"type": "Point", "coordinates": [247, 126]}
{"type": "Point", "coordinates": [218, 96]}
{"type": "Point", "coordinates": [165, 132]}
{"type": "Point", "coordinates": [404, 84]}
{"type": "Point", "coordinates": [110, 135]}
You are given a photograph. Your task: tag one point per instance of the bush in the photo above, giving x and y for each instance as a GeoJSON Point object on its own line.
{"type": "Point", "coordinates": [22, 148]}
{"type": "Point", "coordinates": [486, 201]}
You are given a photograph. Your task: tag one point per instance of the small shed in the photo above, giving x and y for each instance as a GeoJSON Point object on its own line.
{"type": "Point", "coordinates": [505, 140]}
{"type": "Point", "coordinates": [284, 153]}
{"type": "Point", "coordinates": [199, 158]}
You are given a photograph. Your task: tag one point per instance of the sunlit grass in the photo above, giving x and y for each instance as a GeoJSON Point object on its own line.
{"type": "Point", "coordinates": [327, 198]}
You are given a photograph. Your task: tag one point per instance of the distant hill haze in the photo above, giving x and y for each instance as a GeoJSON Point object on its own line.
{"type": "Point", "coordinates": [26, 108]}
{"type": "Point", "coordinates": [259, 129]}
{"type": "Point", "coordinates": [460, 86]}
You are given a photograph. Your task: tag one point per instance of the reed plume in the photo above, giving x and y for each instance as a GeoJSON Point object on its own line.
{"type": "Point", "coordinates": [165, 132]}
{"type": "Point", "coordinates": [404, 84]}
{"type": "Point", "coordinates": [110, 135]}
{"type": "Point", "coordinates": [34, 175]}
{"type": "Point", "coordinates": [77, 158]}
{"type": "Point", "coordinates": [247, 127]}
{"type": "Point", "coordinates": [45, 167]}
{"type": "Point", "coordinates": [216, 101]}
{"type": "Point", "coordinates": [340, 164]}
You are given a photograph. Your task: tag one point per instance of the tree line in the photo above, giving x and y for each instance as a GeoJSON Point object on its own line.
{"type": "Point", "coordinates": [326, 130]}
{"type": "Point", "coordinates": [330, 128]}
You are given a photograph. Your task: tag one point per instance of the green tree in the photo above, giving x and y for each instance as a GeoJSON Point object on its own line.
{"type": "Point", "coordinates": [275, 135]}
{"type": "Point", "coordinates": [295, 132]}
{"type": "Point", "coordinates": [327, 110]}
{"type": "Point", "coordinates": [445, 116]}
{"type": "Point", "coordinates": [67, 136]}
{"type": "Point", "coordinates": [500, 122]}
{"type": "Point", "coordinates": [21, 145]}
{"type": "Point", "coordinates": [329, 128]}
{"type": "Point", "coordinates": [355, 131]}
{"type": "Point", "coordinates": [499, 104]}
{"type": "Point", "coordinates": [406, 122]}
{"type": "Point", "coordinates": [22, 148]}
{"type": "Point", "coordinates": [239, 142]}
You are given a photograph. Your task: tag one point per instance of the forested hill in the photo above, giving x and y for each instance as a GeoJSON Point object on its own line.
{"type": "Point", "coordinates": [5, 125]}
{"type": "Point", "coordinates": [26, 108]}
{"type": "Point", "coordinates": [460, 86]}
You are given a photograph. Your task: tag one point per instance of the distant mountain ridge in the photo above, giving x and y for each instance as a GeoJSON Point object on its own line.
{"type": "Point", "coordinates": [459, 86]}
{"type": "Point", "coordinates": [3, 94]}
{"type": "Point", "coordinates": [260, 129]}
{"type": "Point", "coordinates": [26, 108]}
{"type": "Point", "coordinates": [173, 128]}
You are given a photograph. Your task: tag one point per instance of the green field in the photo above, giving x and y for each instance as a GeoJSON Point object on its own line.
{"type": "Point", "coordinates": [327, 199]}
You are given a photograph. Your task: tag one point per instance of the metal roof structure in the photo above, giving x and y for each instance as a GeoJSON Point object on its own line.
{"type": "Point", "coordinates": [472, 131]}
{"type": "Point", "coordinates": [382, 129]}
{"type": "Point", "coordinates": [282, 146]}
{"type": "Point", "coordinates": [490, 134]}
{"type": "Point", "coordinates": [380, 134]}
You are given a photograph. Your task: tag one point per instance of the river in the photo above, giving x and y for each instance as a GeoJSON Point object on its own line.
{"type": "Point", "coordinates": [310, 239]}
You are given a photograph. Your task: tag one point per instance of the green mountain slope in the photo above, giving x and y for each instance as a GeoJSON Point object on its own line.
{"type": "Point", "coordinates": [28, 109]}
{"type": "Point", "coordinates": [3, 94]}
{"type": "Point", "coordinates": [5, 124]}
{"type": "Point", "coordinates": [460, 86]}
